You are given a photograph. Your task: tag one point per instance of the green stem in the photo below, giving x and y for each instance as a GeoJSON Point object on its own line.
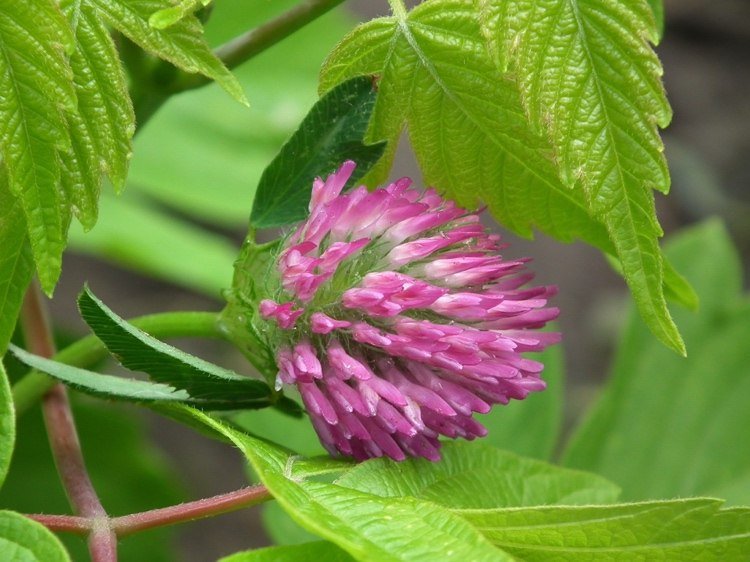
{"type": "Point", "coordinates": [233, 53]}
{"type": "Point", "coordinates": [30, 389]}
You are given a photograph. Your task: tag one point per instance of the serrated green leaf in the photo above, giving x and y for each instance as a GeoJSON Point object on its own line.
{"type": "Point", "coordinates": [667, 426]}
{"type": "Point", "coordinates": [307, 552]}
{"type": "Point", "coordinates": [331, 133]}
{"type": "Point", "coordinates": [37, 90]}
{"type": "Point", "coordinates": [589, 79]}
{"type": "Point", "coordinates": [167, 17]}
{"type": "Point", "coordinates": [692, 529]}
{"type": "Point", "coordinates": [434, 61]}
{"type": "Point", "coordinates": [469, 134]}
{"type": "Point", "coordinates": [100, 385]}
{"type": "Point", "coordinates": [138, 351]}
{"type": "Point", "coordinates": [7, 424]}
{"type": "Point", "coordinates": [104, 126]}
{"type": "Point", "coordinates": [217, 157]}
{"type": "Point", "coordinates": [182, 44]}
{"type": "Point", "coordinates": [16, 261]}
{"type": "Point", "coordinates": [111, 387]}
{"type": "Point", "coordinates": [366, 526]}
{"type": "Point", "coordinates": [474, 476]}
{"type": "Point", "coordinates": [24, 540]}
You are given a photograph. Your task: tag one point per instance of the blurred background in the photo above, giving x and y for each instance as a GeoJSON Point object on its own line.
{"type": "Point", "coordinates": [169, 241]}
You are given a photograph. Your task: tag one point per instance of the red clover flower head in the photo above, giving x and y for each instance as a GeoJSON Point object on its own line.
{"type": "Point", "coordinates": [398, 320]}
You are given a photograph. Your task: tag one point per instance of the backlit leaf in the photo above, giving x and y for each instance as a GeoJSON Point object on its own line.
{"type": "Point", "coordinates": [590, 81]}
{"type": "Point", "coordinates": [104, 125]}
{"type": "Point", "coordinates": [7, 424]}
{"type": "Point", "coordinates": [469, 127]}
{"type": "Point", "coordinates": [182, 44]}
{"type": "Point", "coordinates": [36, 92]}
{"type": "Point", "coordinates": [368, 527]}
{"type": "Point", "coordinates": [16, 262]}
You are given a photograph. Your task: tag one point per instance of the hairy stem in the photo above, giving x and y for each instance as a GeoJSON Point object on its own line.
{"type": "Point", "coordinates": [62, 434]}
{"type": "Point", "coordinates": [199, 509]}
{"type": "Point", "coordinates": [189, 511]}
{"type": "Point", "coordinates": [83, 353]}
{"type": "Point", "coordinates": [63, 523]}
{"type": "Point", "coordinates": [151, 97]}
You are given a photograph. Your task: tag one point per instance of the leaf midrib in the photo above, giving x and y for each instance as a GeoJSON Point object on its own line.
{"type": "Point", "coordinates": [653, 301]}
{"type": "Point", "coordinates": [403, 28]}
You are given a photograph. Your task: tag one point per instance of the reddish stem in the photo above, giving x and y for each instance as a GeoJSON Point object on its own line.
{"type": "Point", "coordinates": [223, 503]}
{"type": "Point", "coordinates": [63, 437]}
{"type": "Point", "coordinates": [63, 523]}
{"type": "Point", "coordinates": [129, 524]}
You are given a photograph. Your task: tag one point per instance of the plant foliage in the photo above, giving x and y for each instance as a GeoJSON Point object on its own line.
{"type": "Point", "coordinates": [66, 118]}
{"type": "Point", "coordinates": [566, 142]}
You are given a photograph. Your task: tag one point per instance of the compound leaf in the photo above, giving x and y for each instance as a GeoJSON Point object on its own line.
{"type": "Point", "coordinates": [182, 43]}
{"type": "Point", "coordinates": [590, 81]}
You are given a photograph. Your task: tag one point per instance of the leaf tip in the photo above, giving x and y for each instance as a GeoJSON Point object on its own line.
{"type": "Point", "coordinates": [165, 18]}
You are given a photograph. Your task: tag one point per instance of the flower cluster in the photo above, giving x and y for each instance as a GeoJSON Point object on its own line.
{"type": "Point", "coordinates": [399, 320]}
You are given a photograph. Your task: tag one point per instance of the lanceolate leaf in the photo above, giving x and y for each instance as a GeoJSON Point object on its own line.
{"type": "Point", "coordinates": [37, 90]}
{"type": "Point", "coordinates": [182, 44]}
{"type": "Point", "coordinates": [132, 390]}
{"type": "Point", "coordinates": [138, 351]}
{"type": "Point", "coordinates": [100, 385]}
{"type": "Point", "coordinates": [331, 133]}
{"type": "Point", "coordinates": [590, 80]}
{"type": "Point", "coordinates": [691, 529]}
{"type": "Point", "coordinates": [434, 61]}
